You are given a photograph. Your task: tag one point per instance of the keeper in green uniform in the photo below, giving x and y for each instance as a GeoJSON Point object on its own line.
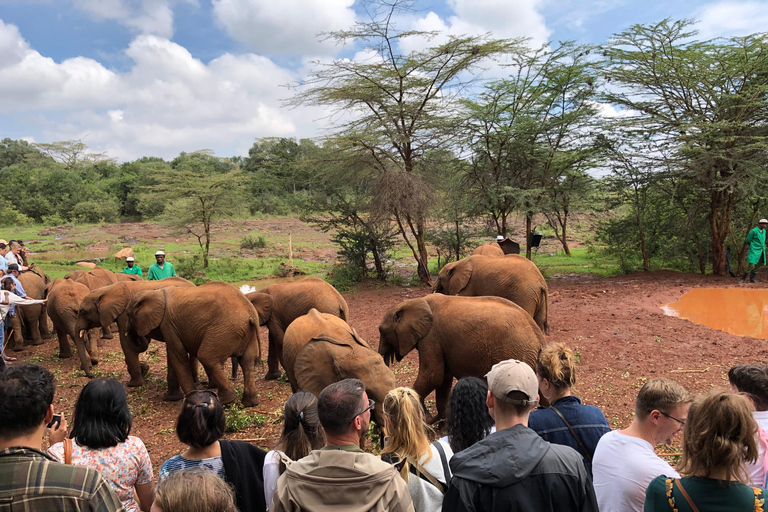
{"type": "Point", "coordinates": [131, 268]}
{"type": "Point", "coordinates": [161, 269]}
{"type": "Point", "coordinates": [755, 241]}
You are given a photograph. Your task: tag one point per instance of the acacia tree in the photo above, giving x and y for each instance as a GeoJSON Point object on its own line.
{"type": "Point", "coordinates": [397, 108]}
{"type": "Point", "coordinates": [702, 102]}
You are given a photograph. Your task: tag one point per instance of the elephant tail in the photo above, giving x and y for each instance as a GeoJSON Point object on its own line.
{"type": "Point", "coordinates": [541, 312]}
{"type": "Point", "coordinates": [253, 327]}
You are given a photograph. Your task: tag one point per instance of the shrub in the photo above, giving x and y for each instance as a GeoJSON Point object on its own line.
{"type": "Point", "coordinates": [10, 216]}
{"type": "Point", "coordinates": [251, 242]}
{"type": "Point", "coordinates": [343, 276]}
{"type": "Point", "coordinates": [94, 211]}
{"type": "Point", "coordinates": [186, 266]}
{"type": "Point", "coordinates": [237, 419]}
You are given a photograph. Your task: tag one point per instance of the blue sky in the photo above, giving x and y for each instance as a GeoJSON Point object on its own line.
{"type": "Point", "coordinates": [157, 77]}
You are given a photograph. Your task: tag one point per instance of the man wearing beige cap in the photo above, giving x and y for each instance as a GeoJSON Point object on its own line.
{"type": "Point", "coordinates": [131, 268]}
{"type": "Point", "coordinates": [514, 468]}
{"type": "Point", "coordinates": [755, 243]}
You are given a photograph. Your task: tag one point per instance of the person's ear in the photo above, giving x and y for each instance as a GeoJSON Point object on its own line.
{"type": "Point", "coordinates": [654, 416]}
{"type": "Point", "coordinates": [49, 414]}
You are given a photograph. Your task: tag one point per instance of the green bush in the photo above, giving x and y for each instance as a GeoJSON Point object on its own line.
{"type": "Point", "coordinates": [343, 276]}
{"type": "Point", "coordinates": [53, 220]}
{"type": "Point", "coordinates": [10, 216]}
{"type": "Point", "coordinates": [94, 211]}
{"type": "Point", "coordinates": [238, 419]}
{"type": "Point", "coordinates": [251, 242]}
{"type": "Point", "coordinates": [186, 266]}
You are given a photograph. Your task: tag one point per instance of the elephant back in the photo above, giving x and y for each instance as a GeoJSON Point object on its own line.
{"type": "Point", "coordinates": [33, 284]}
{"type": "Point", "coordinates": [293, 300]}
{"type": "Point", "coordinates": [489, 249]}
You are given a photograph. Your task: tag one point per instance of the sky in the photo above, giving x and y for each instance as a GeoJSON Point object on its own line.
{"type": "Point", "coordinates": [137, 78]}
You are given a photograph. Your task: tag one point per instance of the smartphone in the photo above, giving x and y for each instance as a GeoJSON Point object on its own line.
{"type": "Point", "coordinates": [55, 421]}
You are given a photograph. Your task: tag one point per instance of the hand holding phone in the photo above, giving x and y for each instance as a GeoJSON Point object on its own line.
{"type": "Point", "coordinates": [55, 421]}
{"type": "Point", "coordinates": [57, 429]}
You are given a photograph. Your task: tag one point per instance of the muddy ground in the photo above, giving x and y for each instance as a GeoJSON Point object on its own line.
{"type": "Point", "coordinates": [616, 326]}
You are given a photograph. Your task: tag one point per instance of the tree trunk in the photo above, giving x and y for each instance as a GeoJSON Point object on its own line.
{"type": "Point", "coordinates": [503, 224]}
{"type": "Point", "coordinates": [528, 229]}
{"type": "Point", "coordinates": [458, 243]}
{"type": "Point", "coordinates": [720, 224]}
{"type": "Point", "coordinates": [564, 240]}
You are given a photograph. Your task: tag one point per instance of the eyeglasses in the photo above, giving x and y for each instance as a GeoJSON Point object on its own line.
{"type": "Point", "coordinates": [681, 422]}
{"type": "Point", "coordinates": [371, 405]}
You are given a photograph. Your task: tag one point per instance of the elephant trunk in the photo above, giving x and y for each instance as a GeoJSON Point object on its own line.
{"type": "Point", "coordinates": [106, 330]}
{"type": "Point", "coordinates": [386, 351]}
{"type": "Point", "coordinates": [438, 288]}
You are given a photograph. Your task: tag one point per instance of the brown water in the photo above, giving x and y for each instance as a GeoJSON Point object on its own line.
{"type": "Point", "coordinates": [739, 311]}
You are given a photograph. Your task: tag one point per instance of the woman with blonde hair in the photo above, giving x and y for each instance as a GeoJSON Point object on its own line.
{"type": "Point", "coordinates": [422, 465]}
{"type": "Point", "coordinates": [193, 490]}
{"type": "Point", "coordinates": [718, 440]}
{"type": "Point", "coordinates": [566, 421]}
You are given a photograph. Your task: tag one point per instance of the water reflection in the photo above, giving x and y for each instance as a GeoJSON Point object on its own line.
{"type": "Point", "coordinates": [739, 311]}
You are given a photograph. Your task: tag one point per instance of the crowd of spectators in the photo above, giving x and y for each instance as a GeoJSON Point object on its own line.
{"type": "Point", "coordinates": [502, 451]}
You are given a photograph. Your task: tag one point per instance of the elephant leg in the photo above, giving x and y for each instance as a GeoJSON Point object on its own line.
{"type": "Point", "coordinates": [18, 338]}
{"type": "Point", "coordinates": [34, 331]}
{"type": "Point", "coordinates": [431, 375]}
{"type": "Point", "coordinates": [45, 331]}
{"type": "Point", "coordinates": [193, 369]}
{"type": "Point", "coordinates": [442, 393]}
{"type": "Point", "coordinates": [218, 379]}
{"type": "Point", "coordinates": [235, 363]}
{"type": "Point", "coordinates": [275, 355]}
{"type": "Point", "coordinates": [84, 354]}
{"type": "Point", "coordinates": [248, 362]}
{"type": "Point", "coordinates": [132, 362]}
{"type": "Point", "coordinates": [65, 351]}
{"type": "Point", "coordinates": [178, 357]}
{"type": "Point", "coordinates": [174, 392]}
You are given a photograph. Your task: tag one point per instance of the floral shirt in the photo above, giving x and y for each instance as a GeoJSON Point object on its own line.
{"type": "Point", "coordinates": [124, 466]}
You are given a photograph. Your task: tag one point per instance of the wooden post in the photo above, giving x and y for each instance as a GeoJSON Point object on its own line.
{"type": "Point", "coordinates": [290, 248]}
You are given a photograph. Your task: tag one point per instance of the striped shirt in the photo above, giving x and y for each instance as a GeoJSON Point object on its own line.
{"type": "Point", "coordinates": [30, 481]}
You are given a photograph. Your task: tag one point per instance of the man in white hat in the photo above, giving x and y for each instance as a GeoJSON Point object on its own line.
{"type": "Point", "coordinates": [161, 269]}
{"type": "Point", "coordinates": [131, 268]}
{"type": "Point", "coordinates": [513, 468]}
{"type": "Point", "coordinates": [755, 243]}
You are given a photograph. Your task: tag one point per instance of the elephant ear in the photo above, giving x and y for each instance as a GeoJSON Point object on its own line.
{"type": "Point", "coordinates": [316, 365]}
{"type": "Point", "coordinates": [459, 276]}
{"type": "Point", "coordinates": [357, 338]}
{"type": "Point", "coordinates": [147, 311]}
{"type": "Point", "coordinates": [263, 304]}
{"type": "Point", "coordinates": [413, 320]}
{"type": "Point", "coordinates": [110, 305]}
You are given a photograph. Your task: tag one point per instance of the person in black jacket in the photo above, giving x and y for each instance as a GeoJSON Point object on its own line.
{"type": "Point", "coordinates": [514, 468]}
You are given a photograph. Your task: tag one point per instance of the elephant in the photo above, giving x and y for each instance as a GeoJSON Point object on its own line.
{"type": "Point", "coordinates": [489, 249]}
{"type": "Point", "coordinates": [91, 280]}
{"type": "Point", "coordinates": [320, 349]}
{"type": "Point", "coordinates": [457, 337]}
{"type": "Point", "coordinates": [63, 305]}
{"type": "Point", "coordinates": [105, 275]}
{"type": "Point", "coordinates": [120, 277]}
{"type": "Point", "coordinates": [108, 304]}
{"type": "Point", "coordinates": [512, 277]}
{"type": "Point", "coordinates": [280, 304]}
{"type": "Point", "coordinates": [33, 319]}
{"type": "Point", "coordinates": [210, 322]}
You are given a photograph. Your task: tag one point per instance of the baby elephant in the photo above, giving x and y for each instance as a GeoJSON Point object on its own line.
{"type": "Point", "coordinates": [320, 349]}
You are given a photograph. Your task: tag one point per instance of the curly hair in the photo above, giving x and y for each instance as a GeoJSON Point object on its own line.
{"type": "Point", "coordinates": [557, 365]}
{"type": "Point", "coordinates": [468, 418]}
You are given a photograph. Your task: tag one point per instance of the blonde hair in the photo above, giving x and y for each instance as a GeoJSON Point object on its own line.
{"type": "Point", "coordinates": [194, 490]}
{"type": "Point", "coordinates": [557, 365]}
{"type": "Point", "coordinates": [660, 395]}
{"type": "Point", "coordinates": [719, 433]}
{"type": "Point", "coordinates": [405, 426]}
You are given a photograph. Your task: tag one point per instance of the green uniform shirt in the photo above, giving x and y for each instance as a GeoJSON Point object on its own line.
{"type": "Point", "coordinates": [135, 270]}
{"type": "Point", "coordinates": [156, 272]}
{"type": "Point", "coordinates": [756, 242]}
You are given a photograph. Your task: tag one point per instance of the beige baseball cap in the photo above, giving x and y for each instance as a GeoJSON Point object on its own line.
{"type": "Point", "coordinates": [513, 375]}
{"type": "Point", "coordinates": [3, 241]}
{"type": "Point", "coordinates": [763, 221]}
{"type": "Point", "coordinates": [159, 253]}
{"type": "Point", "coordinates": [130, 258]}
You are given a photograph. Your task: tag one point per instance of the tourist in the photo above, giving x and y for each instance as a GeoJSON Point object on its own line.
{"type": "Point", "coordinates": [468, 419]}
{"type": "Point", "coordinates": [30, 479]}
{"type": "Point", "coordinates": [131, 268]}
{"type": "Point", "coordinates": [514, 468]}
{"type": "Point", "coordinates": [100, 439]}
{"type": "Point", "coordinates": [751, 380]}
{"type": "Point", "coordinates": [13, 256]}
{"type": "Point", "coordinates": [160, 269]}
{"type": "Point", "coordinates": [9, 299]}
{"type": "Point", "coordinates": [302, 433]}
{"type": "Point", "coordinates": [755, 244]}
{"type": "Point", "coordinates": [361, 481]}
{"type": "Point", "coordinates": [3, 251]}
{"type": "Point", "coordinates": [17, 342]}
{"type": "Point", "coordinates": [566, 421]}
{"type": "Point", "coordinates": [200, 426]}
{"type": "Point", "coordinates": [422, 465]}
{"type": "Point", "coordinates": [719, 438]}
{"type": "Point", "coordinates": [194, 490]}
{"type": "Point", "coordinates": [625, 462]}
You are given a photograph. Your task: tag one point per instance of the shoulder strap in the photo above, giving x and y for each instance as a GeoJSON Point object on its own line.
{"type": "Point", "coordinates": [68, 450]}
{"type": "Point", "coordinates": [446, 469]}
{"type": "Point", "coordinates": [573, 433]}
{"type": "Point", "coordinates": [434, 481]}
{"type": "Point", "coordinates": [685, 495]}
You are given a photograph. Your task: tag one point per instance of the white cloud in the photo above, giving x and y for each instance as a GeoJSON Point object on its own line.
{"type": "Point", "coordinates": [287, 27]}
{"type": "Point", "coordinates": [144, 16]}
{"type": "Point", "coordinates": [732, 18]}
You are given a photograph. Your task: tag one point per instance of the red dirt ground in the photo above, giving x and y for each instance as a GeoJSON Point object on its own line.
{"type": "Point", "coordinates": [621, 335]}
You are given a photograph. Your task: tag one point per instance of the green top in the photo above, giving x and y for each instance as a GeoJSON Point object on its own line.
{"type": "Point", "coordinates": [32, 480]}
{"type": "Point", "coordinates": [135, 270]}
{"type": "Point", "coordinates": [756, 242]}
{"type": "Point", "coordinates": [663, 495]}
{"type": "Point", "coordinates": [156, 272]}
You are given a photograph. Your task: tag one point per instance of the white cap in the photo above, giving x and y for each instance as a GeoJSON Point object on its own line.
{"type": "Point", "coordinates": [159, 253]}
{"type": "Point", "coordinates": [763, 221]}
{"type": "Point", "coordinates": [499, 238]}
{"type": "Point", "coordinates": [130, 258]}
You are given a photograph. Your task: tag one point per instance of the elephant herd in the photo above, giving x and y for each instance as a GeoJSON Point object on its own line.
{"type": "Point", "coordinates": [485, 309]}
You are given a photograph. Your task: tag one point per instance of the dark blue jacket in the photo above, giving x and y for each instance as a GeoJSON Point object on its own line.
{"type": "Point", "coordinates": [587, 420]}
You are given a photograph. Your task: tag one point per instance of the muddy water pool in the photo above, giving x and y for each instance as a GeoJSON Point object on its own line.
{"type": "Point", "coordinates": [739, 311]}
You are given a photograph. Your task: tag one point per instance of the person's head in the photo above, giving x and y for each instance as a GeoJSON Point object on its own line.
{"type": "Point", "coordinates": [102, 418]}
{"type": "Point", "coordinates": [129, 261]}
{"type": "Point", "coordinates": [13, 269]}
{"type": "Point", "coordinates": [662, 406]}
{"type": "Point", "coordinates": [556, 369]}
{"type": "Point", "coordinates": [344, 409]}
{"type": "Point", "coordinates": [302, 431]}
{"type": "Point", "coordinates": [8, 285]}
{"type": "Point", "coordinates": [160, 257]}
{"type": "Point", "coordinates": [3, 248]}
{"type": "Point", "coordinates": [26, 395]}
{"type": "Point", "coordinates": [513, 392]}
{"type": "Point", "coordinates": [201, 421]}
{"type": "Point", "coordinates": [404, 424]}
{"type": "Point", "coordinates": [193, 490]}
{"type": "Point", "coordinates": [752, 380]}
{"type": "Point", "coordinates": [719, 435]}
{"type": "Point", "coordinates": [15, 247]}
{"type": "Point", "coordinates": [468, 418]}
{"type": "Point", "coordinates": [762, 223]}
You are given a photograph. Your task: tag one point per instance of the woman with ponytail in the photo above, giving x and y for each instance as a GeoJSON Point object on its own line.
{"type": "Point", "coordinates": [302, 433]}
{"type": "Point", "coordinates": [718, 440]}
{"type": "Point", "coordinates": [422, 465]}
{"type": "Point", "coordinates": [566, 421]}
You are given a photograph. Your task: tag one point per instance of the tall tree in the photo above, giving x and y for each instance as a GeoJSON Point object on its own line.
{"type": "Point", "coordinates": [703, 102]}
{"type": "Point", "coordinates": [398, 107]}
